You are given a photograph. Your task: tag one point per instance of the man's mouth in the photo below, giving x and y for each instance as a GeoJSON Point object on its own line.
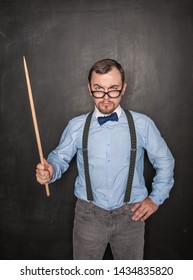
{"type": "Point", "coordinates": [106, 103]}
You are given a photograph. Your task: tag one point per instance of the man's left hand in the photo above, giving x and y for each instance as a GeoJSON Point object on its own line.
{"type": "Point", "coordinates": [143, 210]}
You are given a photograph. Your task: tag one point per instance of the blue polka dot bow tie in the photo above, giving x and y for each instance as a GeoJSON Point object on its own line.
{"type": "Point", "coordinates": [113, 117]}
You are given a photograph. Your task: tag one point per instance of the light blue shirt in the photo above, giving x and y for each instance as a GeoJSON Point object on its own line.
{"type": "Point", "coordinates": [109, 158]}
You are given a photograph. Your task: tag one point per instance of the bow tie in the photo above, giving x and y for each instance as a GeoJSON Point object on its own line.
{"type": "Point", "coordinates": [113, 117]}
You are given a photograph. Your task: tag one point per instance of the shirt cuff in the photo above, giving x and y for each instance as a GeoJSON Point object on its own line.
{"type": "Point", "coordinates": [57, 173]}
{"type": "Point", "coordinates": [158, 198]}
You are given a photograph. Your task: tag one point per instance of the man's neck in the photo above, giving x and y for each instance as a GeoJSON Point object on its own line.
{"type": "Point", "coordinates": [100, 114]}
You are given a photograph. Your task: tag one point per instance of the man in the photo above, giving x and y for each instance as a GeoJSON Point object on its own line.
{"type": "Point", "coordinates": [102, 214]}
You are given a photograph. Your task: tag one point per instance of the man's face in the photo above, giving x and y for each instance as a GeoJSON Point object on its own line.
{"type": "Point", "coordinates": [107, 82]}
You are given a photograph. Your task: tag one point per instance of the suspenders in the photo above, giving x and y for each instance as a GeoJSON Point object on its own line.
{"type": "Point", "coordinates": [85, 156]}
{"type": "Point", "coordinates": [132, 156]}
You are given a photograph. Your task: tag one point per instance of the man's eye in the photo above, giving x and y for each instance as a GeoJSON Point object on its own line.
{"type": "Point", "coordinates": [99, 89]}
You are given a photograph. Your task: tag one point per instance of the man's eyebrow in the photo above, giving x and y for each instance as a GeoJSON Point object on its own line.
{"type": "Point", "coordinates": [98, 85]}
{"type": "Point", "coordinates": [114, 86]}
{"type": "Point", "coordinates": [103, 87]}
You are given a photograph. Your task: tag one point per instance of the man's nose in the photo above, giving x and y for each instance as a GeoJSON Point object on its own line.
{"type": "Point", "coordinates": [106, 96]}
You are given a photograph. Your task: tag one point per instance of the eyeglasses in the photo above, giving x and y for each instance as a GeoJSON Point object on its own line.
{"type": "Point", "coordinates": [112, 93]}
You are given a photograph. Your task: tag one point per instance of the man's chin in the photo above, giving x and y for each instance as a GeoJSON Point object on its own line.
{"type": "Point", "coordinates": [106, 110]}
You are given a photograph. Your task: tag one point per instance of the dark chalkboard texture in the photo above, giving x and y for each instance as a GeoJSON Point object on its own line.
{"type": "Point", "coordinates": [153, 40]}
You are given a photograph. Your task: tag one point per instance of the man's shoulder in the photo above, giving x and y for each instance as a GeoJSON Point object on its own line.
{"type": "Point", "coordinates": [139, 116]}
{"type": "Point", "coordinates": [78, 120]}
{"type": "Point", "coordinates": [142, 121]}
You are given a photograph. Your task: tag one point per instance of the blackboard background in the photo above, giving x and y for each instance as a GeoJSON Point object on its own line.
{"type": "Point", "coordinates": [153, 40]}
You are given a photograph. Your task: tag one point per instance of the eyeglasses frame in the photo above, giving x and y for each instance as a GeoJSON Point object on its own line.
{"type": "Point", "coordinates": [119, 90]}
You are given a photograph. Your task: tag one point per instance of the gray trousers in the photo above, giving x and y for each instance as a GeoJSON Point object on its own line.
{"type": "Point", "coordinates": [95, 227]}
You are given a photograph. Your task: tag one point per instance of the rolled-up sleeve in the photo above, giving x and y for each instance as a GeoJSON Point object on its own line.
{"type": "Point", "coordinates": [67, 148]}
{"type": "Point", "coordinates": [162, 161]}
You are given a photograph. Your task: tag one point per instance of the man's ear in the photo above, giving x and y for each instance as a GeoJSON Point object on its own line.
{"type": "Point", "coordinates": [89, 89]}
{"type": "Point", "coordinates": [124, 89]}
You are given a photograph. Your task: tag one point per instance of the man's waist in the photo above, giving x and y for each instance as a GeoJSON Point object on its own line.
{"type": "Point", "coordinates": [105, 205]}
{"type": "Point", "coordinates": [91, 206]}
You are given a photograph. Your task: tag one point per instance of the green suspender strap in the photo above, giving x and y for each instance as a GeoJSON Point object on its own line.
{"type": "Point", "coordinates": [132, 156]}
{"type": "Point", "coordinates": [85, 156]}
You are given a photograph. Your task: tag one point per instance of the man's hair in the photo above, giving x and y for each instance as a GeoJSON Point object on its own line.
{"type": "Point", "coordinates": [104, 66]}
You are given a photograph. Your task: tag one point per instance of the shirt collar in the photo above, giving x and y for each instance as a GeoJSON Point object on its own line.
{"type": "Point", "coordinates": [99, 114]}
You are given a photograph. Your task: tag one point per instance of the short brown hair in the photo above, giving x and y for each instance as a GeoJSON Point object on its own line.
{"type": "Point", "coordinates": [104, 66]}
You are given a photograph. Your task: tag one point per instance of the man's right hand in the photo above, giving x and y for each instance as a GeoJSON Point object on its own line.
{"type": "Point", "coordinates": [44, 172]}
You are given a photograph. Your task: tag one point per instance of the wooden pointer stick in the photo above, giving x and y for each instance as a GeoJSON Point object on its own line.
{"type": "Point", "coordinates": [34, 119]}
